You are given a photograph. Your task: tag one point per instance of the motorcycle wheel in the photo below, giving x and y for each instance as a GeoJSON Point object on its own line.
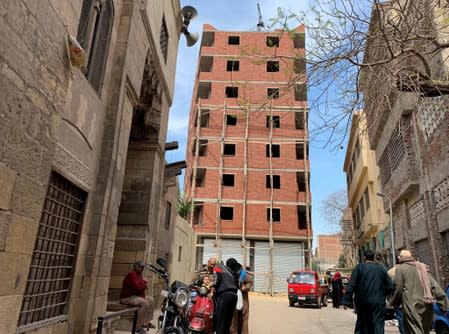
{"type": "Point", "coordinates": [172, 330]}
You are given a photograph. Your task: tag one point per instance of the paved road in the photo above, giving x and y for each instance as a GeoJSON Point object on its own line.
{"type": "Point", "coordinates": [272, 315]}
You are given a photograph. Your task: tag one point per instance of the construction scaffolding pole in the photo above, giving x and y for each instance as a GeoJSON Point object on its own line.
{"type": "Point", "coordinates": [220, 185]}
{"type": "Point", "coordinates": [245, 186]}
{"type": "Point", "coordinates": [271, 249]}
{"type": "Point", "coordinates": [306, 178]}
{"type": "Point", "coordinates": [195, 161]}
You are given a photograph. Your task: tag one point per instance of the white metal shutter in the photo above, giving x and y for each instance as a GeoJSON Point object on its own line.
{"type": "Point", "coordinates": [287, 258]}
{"type": "Point", "coordinates": [229, 248]}
{"type": "Point", "coordinates": [261, 267]}
{"type": "Point", "coordinates": [209, 250]}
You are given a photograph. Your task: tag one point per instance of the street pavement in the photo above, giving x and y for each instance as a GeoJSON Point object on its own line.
{"type": "Point", "coordinates": [272, 315]}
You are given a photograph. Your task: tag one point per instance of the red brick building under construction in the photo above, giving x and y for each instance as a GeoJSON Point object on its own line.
{"type": "Point", "coordinates": [247, 154]}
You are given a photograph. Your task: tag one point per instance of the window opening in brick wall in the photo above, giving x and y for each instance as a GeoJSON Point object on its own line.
{"type": "Point", "coordinates": [229, 149]}
{"type": "Point", "coordinates": [301, 181]}
{"type": "Point", "coordinates": [47, 290]}
{"type": "Point", "coordinates": [226, 213]}
{"type": "Point", "coordinates": [202, 147]}
{"type": "Point", "coordinates": [272, 41]}
{"type": "Point", "coordinates": [300, 41]}
{"type": "Point", "coordinates": [275, 120]}
{"type": "Point", "coordinates": [231, 120]}
{"type": "Point", "coordinates": [228, 180]}
{"type": "Point", "coordinates": [276, 181]}
{"type": "Point", "coordinates": [208, 38]}
{"type": "Point", "coordinates": [273, 93]}
{"type": "Point", "coordinates": [233, 40]}
{"type": "Point", "coordinates": [204, 90]}
{"type": "Point", "coordinates": [272, 66]}
{"type": "Point", "coordinates": [164, 39]}
{"type": "Point", "coordinates": [275, 150]}
{"type": "Point", "coordinates": [299, 120]}
{"type": "Point", "coordinates": [300, 150]}
{"type": "Point", "coordinates": [232, 66]}
{"type": "Point", "coordinates": [301, 92]}
{"type": "Point", "coordinates": [301, 213]}
{"type": "Point", "coordinates": [232, 92]}
{"type": "Point", "coordinates": [274, 215]}
{"type": "Point", "coordinates": [206, 63]}
{"type": "Point", "coordinates": [167, 215]}
{"type": "Point", "coordinates": [299, 66]}
{"type": "Point", "coordinates": [94, 34]}
{"type": "Point", "coordinates": [392, 155]}
{"type": "Point", "coordinates": [200, 177]}
{"type": "Point", "coordinates": [198, 213]}
{"type": "Point", "coordinates": [204, 118]}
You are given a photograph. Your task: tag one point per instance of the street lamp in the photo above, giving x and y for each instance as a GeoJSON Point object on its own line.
{"type": "Point", "coordinates": [393, 251]}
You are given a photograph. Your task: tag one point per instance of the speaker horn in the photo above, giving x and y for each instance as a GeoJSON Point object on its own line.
{"type": "Point", "coordinates": [191, 38]}
{"type": "Point", "coordinates": [188, 13]}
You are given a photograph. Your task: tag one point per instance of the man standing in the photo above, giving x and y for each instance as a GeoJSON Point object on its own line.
{"type": "Point", "coordinates": [240, 319]}
{"type": "Point", "coordinates": [416, 290]}
{"type": "Point", "coordinates": [133, 294]}
{"type": "Point", "coordinates": [369, 285]}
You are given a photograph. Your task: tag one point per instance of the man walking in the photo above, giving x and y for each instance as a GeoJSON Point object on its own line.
{"type": "Point", "coordinates": [416, 290]}
{"type": "Point", "coordinates": [133, 293]}
{"type": "Point", "coordinates": [369, 286]}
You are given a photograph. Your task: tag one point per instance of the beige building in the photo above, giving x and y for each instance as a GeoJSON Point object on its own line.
{"type": "Point", "coordinates": [362, 177]}
{"type": "Point", "coordinates": [82, 187]}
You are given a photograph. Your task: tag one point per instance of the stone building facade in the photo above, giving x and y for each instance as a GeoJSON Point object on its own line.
{"type": "Point", "coordinates": [82, 187]}
{"type": "Point", "coordinates": [408, 129]}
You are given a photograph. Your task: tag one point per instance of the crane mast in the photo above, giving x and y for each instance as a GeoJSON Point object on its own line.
{"type": "Point", "coordinates": [260, 24]}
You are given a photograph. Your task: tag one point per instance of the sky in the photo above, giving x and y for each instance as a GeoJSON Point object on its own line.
{"type": "Point", "coordinates": [241, 15]}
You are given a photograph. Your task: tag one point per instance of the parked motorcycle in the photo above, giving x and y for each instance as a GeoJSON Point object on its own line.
{"type": "Point", "coordinates": [201, 312]}
{"type": "Point", "coordinates": [176, 297]}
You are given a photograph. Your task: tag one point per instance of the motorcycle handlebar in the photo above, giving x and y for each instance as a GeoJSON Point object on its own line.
{"type": "Point", "coordinates": [158, 271]}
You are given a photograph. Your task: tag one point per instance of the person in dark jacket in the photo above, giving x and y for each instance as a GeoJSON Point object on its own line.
{"type": "Point", "coordinates": [369, 286]}
{"type": "Point", "coordinates": [133, 291]}
{"type": "Point", "coordinates": [225, 297]}
{"type": "Point", "coordinates": [337, 290]}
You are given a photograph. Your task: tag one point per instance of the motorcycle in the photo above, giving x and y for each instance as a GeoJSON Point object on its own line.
{"type": "Point", "coordinates": [176, 300]}
{"type": "Point", "coordinates": [201, 312]}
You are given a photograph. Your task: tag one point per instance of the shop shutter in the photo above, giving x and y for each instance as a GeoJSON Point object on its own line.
{"type": "Point", "coordinates": [423, 253]}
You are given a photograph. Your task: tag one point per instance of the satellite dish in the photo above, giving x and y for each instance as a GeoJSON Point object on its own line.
{"type": "Point", "coordinates": [188, 13]}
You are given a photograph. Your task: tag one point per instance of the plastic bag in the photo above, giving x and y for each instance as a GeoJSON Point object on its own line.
{"type": "Point", "coordinates": [239, 304]}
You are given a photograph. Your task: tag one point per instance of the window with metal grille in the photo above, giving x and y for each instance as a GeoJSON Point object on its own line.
{"type": "Point", "coordinates": [164, 39]}
{"type": "Point", "coordinates": [392, 155]}
{"type": "Point", "coordinates": [48, 285]}
{"type": "Point", "coordinates": [94, 34]}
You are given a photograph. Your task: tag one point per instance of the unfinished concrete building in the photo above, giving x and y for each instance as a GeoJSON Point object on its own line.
{"type": "Point", "coordinates": [82, 187]}
{"type": "Point", "coordinates": [247, 154]}
{"type": "Point", "coordinates": [406, 103]}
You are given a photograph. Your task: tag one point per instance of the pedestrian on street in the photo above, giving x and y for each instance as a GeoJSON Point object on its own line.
{"type": "Point", "coordinates": [416, 291]}
{"type": "Point", "coordinates": [133, 292]}
{"type": "Point", "coordinates": [337, 290]}
{"type": "Point", "coordinates": [397, 309]}
{"type": "Point", "coordinates": [240, 320]}
{"type": "Point", "coordinates": [369, 287]}
{"type": "Point", "coordinates": [225, 296]}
